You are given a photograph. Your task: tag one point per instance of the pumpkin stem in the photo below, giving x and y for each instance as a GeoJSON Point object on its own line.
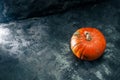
{"type": "Point", "coordinates": [88, 36]}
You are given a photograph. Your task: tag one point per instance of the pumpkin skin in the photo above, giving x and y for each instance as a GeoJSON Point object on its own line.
{"type": "Point", "coordinates": [88, 43]}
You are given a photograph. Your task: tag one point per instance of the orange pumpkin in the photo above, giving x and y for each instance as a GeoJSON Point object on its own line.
{"type": "Point", "coordinates": [88, 43]}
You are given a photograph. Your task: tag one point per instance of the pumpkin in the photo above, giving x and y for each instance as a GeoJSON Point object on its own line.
{"type": "Point", "coordinates": [88, 43]}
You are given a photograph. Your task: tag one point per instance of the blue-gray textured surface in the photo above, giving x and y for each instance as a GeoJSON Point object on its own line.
{"type": "Point", "coordinates": [39, 48]}
{"type": "Point", "coordinates": [11, 10]}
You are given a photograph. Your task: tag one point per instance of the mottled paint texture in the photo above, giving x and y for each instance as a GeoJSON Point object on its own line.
{"type": "Point", "coordinates": [39, 48]}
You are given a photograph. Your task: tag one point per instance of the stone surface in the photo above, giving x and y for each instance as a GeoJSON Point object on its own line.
{"type": "Point", "coordinates": [39, 48]}
{"type": "Point", "coordinates": [13, 10]}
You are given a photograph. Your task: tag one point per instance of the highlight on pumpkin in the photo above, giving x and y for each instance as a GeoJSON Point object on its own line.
{"type": "Point", "coordinates": [88, 43]}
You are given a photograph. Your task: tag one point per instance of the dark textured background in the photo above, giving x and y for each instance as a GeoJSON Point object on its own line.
{"type": "Point", "coordinates": [38, 48]}
{"type": "Point", "coordinates": [11, 10]}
